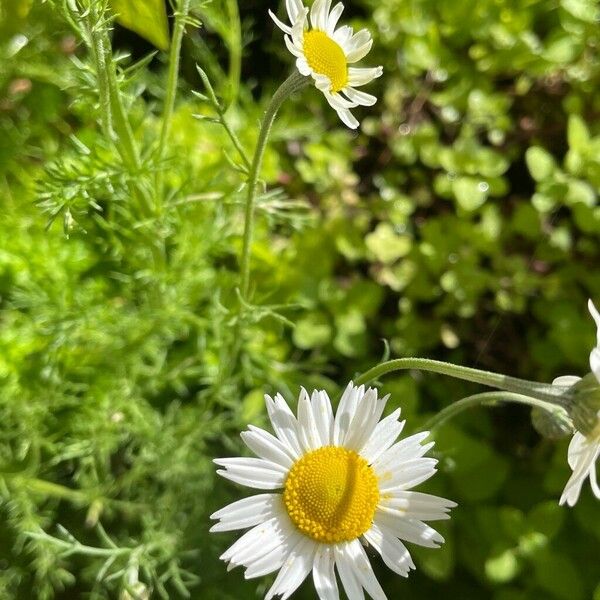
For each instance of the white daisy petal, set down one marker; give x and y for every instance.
(358, 46)
(359, 39)
(298, 27)
(302, 66)
(297, 53)
(247, 512)
(367, 416)
(268, 447)
(342, 35)
(252, 472)
(347, 118)
(294, 9)
(416, 505)
(393, 552)
(334, 17)
(566, 380)
(284, 423)
(345, 567)
(296, 567)
(594, 483)
(405, 449)
(383, 436)
(269, 563)
(596, 316)
(324, 574)
(595, 362)
(318, 14)
(257, 542)
(364, 571)
(412, 474)
(577, 448)
(338, 102)
(273, 559)
(359, 97)
(324, 416)
(309, 433)
(582, 457)
(358, 76)
(345, 412)
(415, 531)
(362, 414)
(285, 28)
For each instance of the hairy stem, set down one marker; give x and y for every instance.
(292, 84)
(181, 14)
(97, 50)
(554, 394)
(235, 49)
(484, 399)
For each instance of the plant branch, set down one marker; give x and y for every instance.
(484, 399)
(181, 14)
(293, 83)
(555, 394)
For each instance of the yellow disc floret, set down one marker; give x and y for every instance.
(326, 57)
(331, 494)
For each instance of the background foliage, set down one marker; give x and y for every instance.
(462, 222)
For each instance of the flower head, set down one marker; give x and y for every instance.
(584, 449)
(324, 51)
(336, 482)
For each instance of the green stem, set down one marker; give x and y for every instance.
(235, 50)
(557, 395)
(487, 398)
(212, 98)
(114, 117)
(126, 146)
(76, 547)
(181, 14)
(96, 46)
(292, 84)
(236, 142)
(55, 490)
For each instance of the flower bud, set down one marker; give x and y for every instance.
(137, 591)
(585, 407)
(553, 425)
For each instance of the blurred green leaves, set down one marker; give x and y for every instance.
(147, 18)
(461, 222)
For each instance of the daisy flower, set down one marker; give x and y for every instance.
(336, 484)
(324, 51)
(583, 449)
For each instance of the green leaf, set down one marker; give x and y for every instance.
(312, 331)
(147, 18)
(502, 567)
(469, 192)
(585, 10)
(577, 133)
(539, 162)
(386, 245)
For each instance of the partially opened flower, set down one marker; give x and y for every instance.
(324, 51)
(584, 449)
(336, 483)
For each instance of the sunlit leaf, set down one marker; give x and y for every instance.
(147, 18)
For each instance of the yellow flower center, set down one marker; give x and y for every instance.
(326, 57)
(331, 494)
